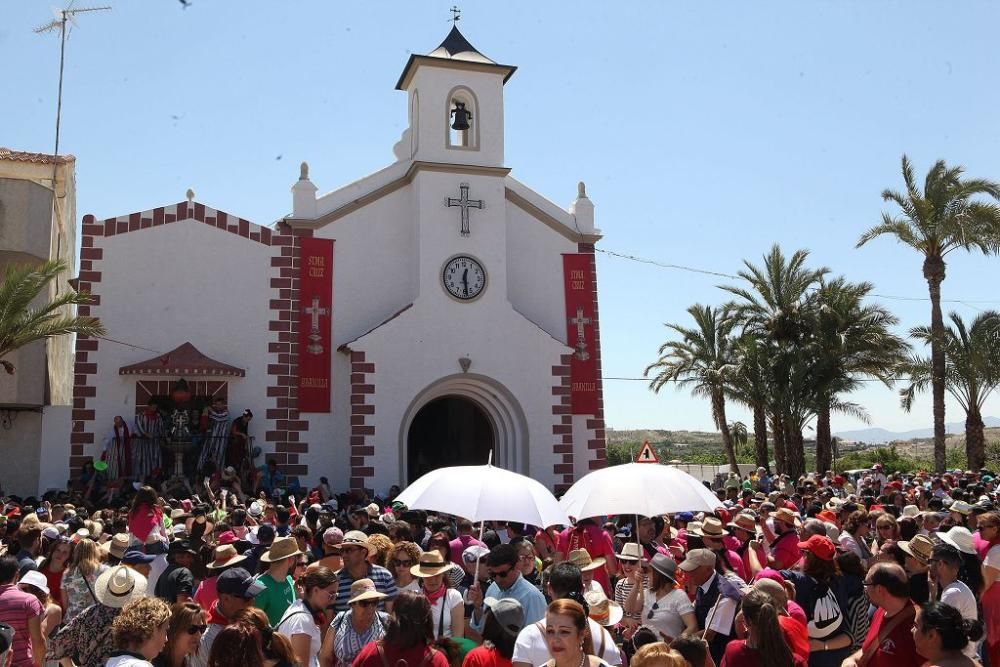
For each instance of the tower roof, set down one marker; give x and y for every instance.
(457, 52)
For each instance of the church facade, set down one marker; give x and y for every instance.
(437, 312)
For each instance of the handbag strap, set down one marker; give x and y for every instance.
(91, 590)
(906, 614)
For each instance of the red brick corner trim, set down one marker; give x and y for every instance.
(362, 442)
(289, 427)
(563, 431)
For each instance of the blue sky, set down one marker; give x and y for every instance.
(705, 131)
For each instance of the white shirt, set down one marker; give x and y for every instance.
(993, 557)
(725, 610)
(531, 648)
(127, 661)
(666, 618)
(958, 595)
(441, 612)
(156, 568)
(297, 620)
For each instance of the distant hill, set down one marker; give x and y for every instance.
(880, 435)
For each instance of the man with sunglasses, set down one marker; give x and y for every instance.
(501, 564)
(355, 551)
(237, 590)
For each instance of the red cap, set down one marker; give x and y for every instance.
(227, 537)
(838, 480)
(828, 516)
(792, 506)
(895, 485)
(820, 546)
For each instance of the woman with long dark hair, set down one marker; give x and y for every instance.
(184, 633)
(237, 645)
(409, 637)
(662, 604)
(276, 647)
(57, 559)
(765, 644)
(302, 620)
(941, 635)
(145, 516)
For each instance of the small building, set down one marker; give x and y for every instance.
(35, 402)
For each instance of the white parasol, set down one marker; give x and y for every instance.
(644, 489)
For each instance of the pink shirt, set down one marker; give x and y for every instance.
(206, 595)
(786, 552)
(460, 544)
(16, 608)
(598, 544)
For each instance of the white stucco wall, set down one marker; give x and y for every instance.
(179, 282)
(19, 439)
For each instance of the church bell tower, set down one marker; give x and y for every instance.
(455, 105)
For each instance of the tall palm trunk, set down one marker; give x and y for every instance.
(824, 444)
(796, 450)
(778, 431)
(975, 439)
(760, 436)
(719, 411)
(934, 273)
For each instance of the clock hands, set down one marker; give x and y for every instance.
(465, 281)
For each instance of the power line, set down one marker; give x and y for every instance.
(630, 379)
(681, 267)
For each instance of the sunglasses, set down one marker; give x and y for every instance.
(656, 605)
(195, 629)
(499, 575)
(404, 563)
(367, 603)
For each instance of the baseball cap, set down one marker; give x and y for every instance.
(508, 612)
(698, 558)
(239, 583)
(820, 546)
(137, 557)
(333, 536)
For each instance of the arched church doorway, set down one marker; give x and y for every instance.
(448, 431)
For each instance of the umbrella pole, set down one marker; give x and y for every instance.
(482, 527)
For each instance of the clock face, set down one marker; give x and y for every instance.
(464, 277)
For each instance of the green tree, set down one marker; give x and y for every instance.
(945, 216)
(849, 341)
(773, 307)
(21, 323)
(700, 360)
(971, 373)
(748, 385)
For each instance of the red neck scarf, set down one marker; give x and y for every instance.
(433, 597)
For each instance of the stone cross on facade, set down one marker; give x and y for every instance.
(581, 343)
(465, 204)
(315, 312)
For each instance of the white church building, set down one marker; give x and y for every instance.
(425, 315)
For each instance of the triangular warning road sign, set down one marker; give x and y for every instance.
(646, 454)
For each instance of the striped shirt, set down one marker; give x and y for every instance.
(16, 609)
(382, 578)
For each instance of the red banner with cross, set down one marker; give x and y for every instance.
(315, 337)
(580, 332)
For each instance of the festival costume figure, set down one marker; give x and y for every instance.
(150, 433)
(216, 439)
(118, 451)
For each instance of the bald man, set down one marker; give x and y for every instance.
(889, 640)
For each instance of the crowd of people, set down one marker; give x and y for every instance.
(882, 569)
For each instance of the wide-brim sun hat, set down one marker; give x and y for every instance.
(280, 549)
(364, 589)
(631, 551)
(118, 586)
(960, 538)
(431, 564)
(225, 556)
(582, 559)
(602, 610)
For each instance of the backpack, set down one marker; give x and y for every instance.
(824, 615)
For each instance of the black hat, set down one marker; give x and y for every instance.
(239, 583)
(6, 637)
(181, 547)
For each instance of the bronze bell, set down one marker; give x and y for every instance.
(462, 117)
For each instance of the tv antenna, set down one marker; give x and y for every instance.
(63, 21)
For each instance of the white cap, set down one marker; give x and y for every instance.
(36, 579)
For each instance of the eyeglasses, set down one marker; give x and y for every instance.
(656, 605)
(195, 629)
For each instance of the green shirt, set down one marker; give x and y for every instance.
(276, 597)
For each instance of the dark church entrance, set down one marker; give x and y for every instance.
(449, 431)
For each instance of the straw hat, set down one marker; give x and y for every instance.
(631, 551)
(919, 547)
(225, 556)
(602, 610)
(364, 589)
(116, 546)
(118, 586)
(355, 538)
(786, 515)
(281, 548)
(581, 558)
(431, 564)
(711, 527)
(744, 522)
(911, 510)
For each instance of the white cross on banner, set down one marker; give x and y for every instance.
(646, 454)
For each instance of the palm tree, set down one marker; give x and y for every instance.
(773, 308)
(972, 372)
(701, 359)
(942, 218)
(848, 341)
(748, 385)
(21, 323)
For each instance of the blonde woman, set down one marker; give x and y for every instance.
(886, 532)
(79, 578)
